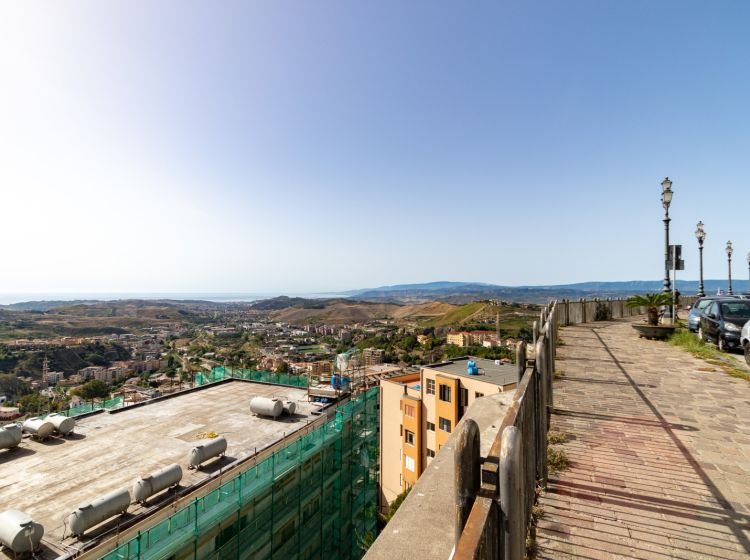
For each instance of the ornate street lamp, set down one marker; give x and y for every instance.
(666, 200)
(700, 234)
(729, 261)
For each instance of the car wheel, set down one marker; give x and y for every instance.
(721, 343)
(747, 353)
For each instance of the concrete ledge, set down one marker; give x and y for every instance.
(423, 526)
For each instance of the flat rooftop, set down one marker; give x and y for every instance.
(48, 480)
(489, 371)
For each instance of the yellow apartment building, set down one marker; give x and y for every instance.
(418, 412)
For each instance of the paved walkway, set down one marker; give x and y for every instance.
(659, 448)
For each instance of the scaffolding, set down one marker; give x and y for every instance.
(314, 498)
(347, 378)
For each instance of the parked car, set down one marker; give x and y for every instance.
(722, 322)
(745, 341)
(697, 309)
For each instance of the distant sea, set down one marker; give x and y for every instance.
(7, 299)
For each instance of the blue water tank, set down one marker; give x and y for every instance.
(471, 368)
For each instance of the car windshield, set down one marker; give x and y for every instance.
(736, 310)
(702, 304)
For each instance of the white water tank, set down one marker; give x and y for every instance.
(38, 428)
(267, 407)
(205, 451)
(19, 532)
(10, 436)
(62, 423)
(162, 479)
(290, 407)
(91, 514)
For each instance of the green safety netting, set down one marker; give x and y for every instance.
(117, 402)
(220, 373)
(314, 498)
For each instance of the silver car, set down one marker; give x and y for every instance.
(745, 341)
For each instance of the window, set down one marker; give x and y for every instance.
(464, 397)
(430, 427)
(430, 452)
(409, 437)
(445, 393)
(430, 386)
(478, 395)
(409, 410)
(445, 425)
(401, 430)
(410, 464)
(400, 480)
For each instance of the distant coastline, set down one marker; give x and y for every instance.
(11, 298)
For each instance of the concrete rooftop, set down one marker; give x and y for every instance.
(48, 480)
(489, 371)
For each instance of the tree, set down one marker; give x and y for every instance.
(92, 390)
(526, 334)
(282, 367)
(652, 303)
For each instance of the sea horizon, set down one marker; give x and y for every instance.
(216, 297)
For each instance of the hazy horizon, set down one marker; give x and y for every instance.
(239, 296)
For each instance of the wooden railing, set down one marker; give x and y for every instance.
(496, 525)
(494, 496)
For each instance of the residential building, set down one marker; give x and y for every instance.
(423, 339)
(54, 377)
(418, 412)
(373, 356)
(91, 372)
(472, 338)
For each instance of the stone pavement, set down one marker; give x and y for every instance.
(659, 444)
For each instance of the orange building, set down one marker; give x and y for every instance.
(418, 412)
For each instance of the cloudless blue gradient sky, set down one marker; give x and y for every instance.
(310, 146)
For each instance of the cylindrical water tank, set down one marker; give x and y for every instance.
(205, 451)
(147, 486)
(38, 428)
(19, 532)
(93, 513)
(10, 436)
(266, 407)
(290, 407)
(62, 423)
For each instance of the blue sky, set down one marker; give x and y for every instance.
(311, 146)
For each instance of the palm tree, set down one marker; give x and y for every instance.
(652, 303)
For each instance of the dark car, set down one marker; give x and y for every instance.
(697, 309)
(722, 322)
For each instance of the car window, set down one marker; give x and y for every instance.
(736, 310)
(702, 304)
(713, 310)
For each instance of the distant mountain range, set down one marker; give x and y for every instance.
(449, 292)
(462, 292)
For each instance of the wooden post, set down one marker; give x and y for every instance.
(511, 494)
(520, 360)
(467, 474)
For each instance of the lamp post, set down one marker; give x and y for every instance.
(666, 200)
(748, 273)
(700, 234)
(729, 261)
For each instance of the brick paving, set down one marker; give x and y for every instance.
(659, 444)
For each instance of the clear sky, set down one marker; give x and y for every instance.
(265, 146)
